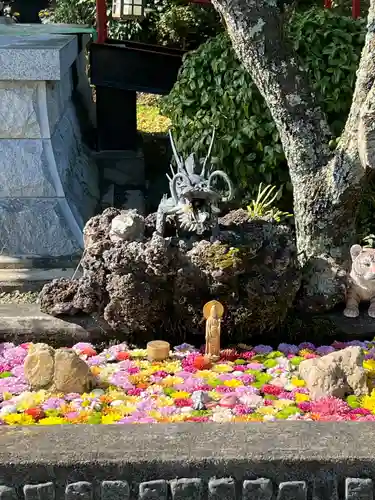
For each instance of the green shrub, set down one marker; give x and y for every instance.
(168, 22)
(214, 90)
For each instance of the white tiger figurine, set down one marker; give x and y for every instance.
(361, 281)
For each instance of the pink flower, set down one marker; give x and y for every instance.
(304, 406)
(223, 388)
(134, 392)
(330, 406)
(248, 355)
(241, 409)
(272, 389)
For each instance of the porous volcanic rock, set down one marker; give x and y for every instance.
(156, 287)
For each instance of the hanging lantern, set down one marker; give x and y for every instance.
(128, 9)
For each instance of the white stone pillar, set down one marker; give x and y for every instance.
(48, 182)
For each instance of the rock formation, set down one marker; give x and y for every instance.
(151, 283)
(60, 370)
(337, 374)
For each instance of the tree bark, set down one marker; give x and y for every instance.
(326, 184)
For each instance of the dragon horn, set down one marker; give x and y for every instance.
(225, 177)
(203, 173)
(175, 154)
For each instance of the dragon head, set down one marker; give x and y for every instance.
(193, 192)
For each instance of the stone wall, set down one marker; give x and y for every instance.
(268, 461)
(48, 181)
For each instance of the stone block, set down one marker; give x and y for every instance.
(358, 489)
(19, 113)
(115, 490)
(218, 489)
(82, 490)
(325, 488)
(292, 490)
(187, 489)
(26, 169)
(76, 169)
(257, 489)
(58, 94)
(40, 57)
(44, 491)
(153, 490)
(39, 227)
(7, 493)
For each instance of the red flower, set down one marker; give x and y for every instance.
(36, 413)
(272, 389)
(181, 402)
(202, 363)
(88, 351)
(229, 355)
(122, 356)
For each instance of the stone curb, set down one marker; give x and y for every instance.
(270, 461)
(25, 323)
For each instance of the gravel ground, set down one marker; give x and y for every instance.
(18, 297)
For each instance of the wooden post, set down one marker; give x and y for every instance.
(101, 20)
(356, 9)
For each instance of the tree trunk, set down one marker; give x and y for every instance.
(326, 184)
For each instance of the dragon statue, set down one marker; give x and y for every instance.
(193, 201)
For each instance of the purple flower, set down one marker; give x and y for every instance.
(185, 348)
(324, 350)
(121, 379)
(306, 345)
(53, 404)
(263, 349)
(357, 343)
(288, 349)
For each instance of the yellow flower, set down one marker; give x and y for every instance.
(18, 419)
(216, 396)
(282, 403)
(267, 410)
(171, 366)
(303, 352)
(180, 395)
(301, 397)
(233, 383)
(110, 419)
(170, 381)
(138, 378)
(369, 365)
(95, 370)
(368, 402)
(155, 414)
(164, 401)
(7, 396)
(203, 374)
(222, 368)
(297, 382)
(138, 353)
(177, 418)
(52, 421)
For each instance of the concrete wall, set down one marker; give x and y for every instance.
(273, 461)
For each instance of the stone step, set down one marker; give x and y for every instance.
(26, 323)
(32, 280)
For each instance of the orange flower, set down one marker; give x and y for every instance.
(142, 386)
(122, 356)
(202, 363)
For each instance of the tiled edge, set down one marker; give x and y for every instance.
(197, 489)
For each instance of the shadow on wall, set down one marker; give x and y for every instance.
(29, 10)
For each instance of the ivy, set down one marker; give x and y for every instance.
(214, 90)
